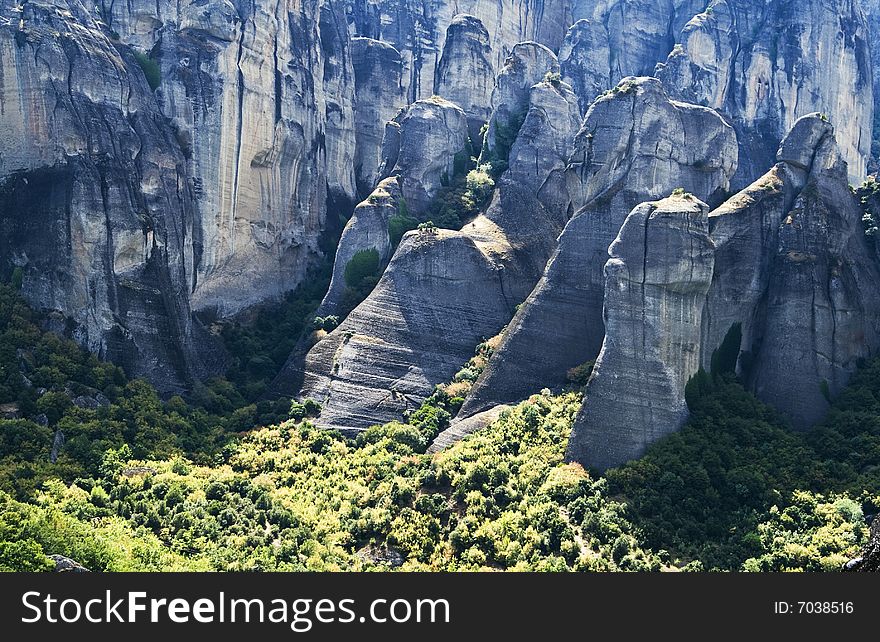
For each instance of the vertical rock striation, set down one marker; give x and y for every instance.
(445, 291)
(767, 64)
(417, 29)
(794, 271)
(379, 96)
(656, 279)
(95, 206)
(465, 75)
(183, 156)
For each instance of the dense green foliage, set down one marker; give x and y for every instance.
(54, 385)
(142, 484)
(260, 344)
(702, 492)
(295, 497)
(462, 199)
(150, 68)
(362, 266)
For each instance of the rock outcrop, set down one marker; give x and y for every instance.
(169, 158)
(445, 291)
(767, 64)
(432, 136)
(611, 40)
(465, 75)
(795, 273)
(635, 145)
(656, 280)
(794, 280)
(263, 98)
(379, 96)
(418, 29)
(526, 66)
(96, 210)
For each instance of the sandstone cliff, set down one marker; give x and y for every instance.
(794, 271)
(379, 96)
(96, 209)
(656, 280)
(635, 145)
(193, 156)
(767, 64)
(465, 74)
(793, 295)
(445, 291)
(427, 138)
(418, 29)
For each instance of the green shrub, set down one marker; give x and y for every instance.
(580, 375)
(398, 225)
(17, 278)
(364, 264)
(150, 68)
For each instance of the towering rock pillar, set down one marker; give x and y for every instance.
(656, 280)
(465, 75)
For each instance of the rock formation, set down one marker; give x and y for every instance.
(96, 211)
(379, 96)
(767, 64)
(656, 280)
(263, 98)
(433, 135)
(793, 275)
(445, 291)
(465, 75)
(795, 272)
(418, 29)
(182, 156)
(611, 40)
(526, 65)
(427, 138)
(635, 145)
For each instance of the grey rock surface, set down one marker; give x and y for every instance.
(526, 66)
(433, 132)
(767, 64)
(95, 204)
(656, 280)
(379, 96)
(465, 75)
(417, 28)
(635, 145)
(794, 269)
(424, 141)
(444, 292)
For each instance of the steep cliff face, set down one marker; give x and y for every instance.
(526, 66)
(263, 97)
(791, 302)
(379, 96)
(445, 291)
(871, 9)
(228, 133)
(418, 29)
(796, 275)
(424, 141)
(656, 280)
(767, 64)
(465, 74)
(635, 145)
(613, 39)
(95, 206)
